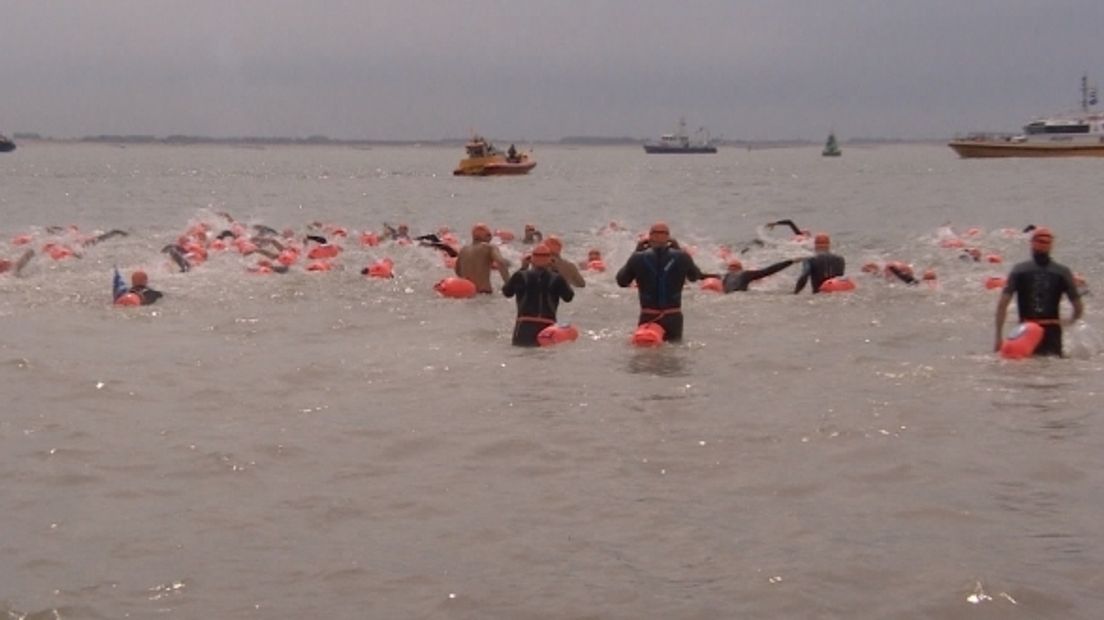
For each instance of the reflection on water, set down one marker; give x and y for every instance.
(664, 361)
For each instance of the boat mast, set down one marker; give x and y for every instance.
(1088, 93)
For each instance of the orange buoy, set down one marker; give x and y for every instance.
(871, 268)
(21, 240)
(839, 284)
(369, 239)
(952, 243)
(505, 235)
(648, 335)
(596, 265)
(1022, 341)
(712, 284)
(217, 245)
(994, 282)
(326, 250)
(319, 265)
(287, 257)
(128, 299)
(380, 269)
(929, 275)
(58, 252)
(339, 232)
(245, 246)
(455, 288)
(557, 333)
(263, 267)
(994, 259)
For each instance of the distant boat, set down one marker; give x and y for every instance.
(483, 159)
(6, 145)
(1074, 134)
(680, 142)
(831, 147)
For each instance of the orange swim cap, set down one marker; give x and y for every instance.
(553, 243)
(822, 240)
(1042, 240)
(541, 256)
(481, 231)
(139, 278)
(735, 265)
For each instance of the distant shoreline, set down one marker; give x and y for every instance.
(326, 141)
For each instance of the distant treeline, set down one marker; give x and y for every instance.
(325, 140)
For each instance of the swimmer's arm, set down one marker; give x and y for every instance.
(22, 262)
(1078, 310)
(790, 223)
(503, 264)
(564, 290)
(759, 274)
(570, 273)
(1002, 314)
(805, 271)
(513, 284)
(625, 275)
(901, 275)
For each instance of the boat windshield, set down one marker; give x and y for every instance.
(1043, 128)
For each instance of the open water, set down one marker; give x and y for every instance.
(323, 445)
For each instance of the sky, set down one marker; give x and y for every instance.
(542, 69)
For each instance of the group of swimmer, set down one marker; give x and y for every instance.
(658, 267)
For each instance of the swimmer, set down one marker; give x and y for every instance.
(475, 260)
(565, 268)
(660, 271)
(538, 292)
(104, 237)
(431, 240)
(176, 253)
(822, 266)
(738, 278)
(1038, 285)
(396, 234)
(139, 285)
(16, 268)
(532, 235)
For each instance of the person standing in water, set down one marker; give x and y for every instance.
(822, 266)
(475, 261)
(660, 270)
(538, 291)
(1038, 285)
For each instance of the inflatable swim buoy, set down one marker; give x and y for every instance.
(505, 235)
(712, 284)
(380, 269)
(648, 335)
(319, 265)
(128, 299)
(995, 259)
(994, 282)
(1022, 341)
(287, 257)
(455, 288)
(557, 333)
(21, 240)
(596, 265)
(369, 239)
(952, 243)
(839, 284)
(326, 250)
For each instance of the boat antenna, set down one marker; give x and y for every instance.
(1088, 93)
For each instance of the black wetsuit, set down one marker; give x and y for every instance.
(146, 294)
(538, 292)
(1039, 285)
(819, 268)
(739, 281)
(176, 253)
(660, 274)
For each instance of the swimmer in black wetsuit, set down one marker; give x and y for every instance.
(1038, 285)
(532, 235)
(430, 240)
(139, 285)
(660, 270)
(539, 291)
(737, 278)
(104, 237)
(822, 266)
(176, 253)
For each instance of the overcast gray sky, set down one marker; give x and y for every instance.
(537, 69)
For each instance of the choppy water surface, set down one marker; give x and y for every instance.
(326, 445)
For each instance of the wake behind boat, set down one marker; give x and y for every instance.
(485, 160)
(6, 145)
(1073, 134)
(680, 142)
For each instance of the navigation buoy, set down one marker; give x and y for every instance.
(1022, 342)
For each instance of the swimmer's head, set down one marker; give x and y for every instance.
(403, 229)
(659, 232)
(530, 228)
(822, 241)
(929, 275)
(139, 278)
(1042, 240)
(481, 232)
(554, 244)
(594, 254)
(541, 256)
(735, 265)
